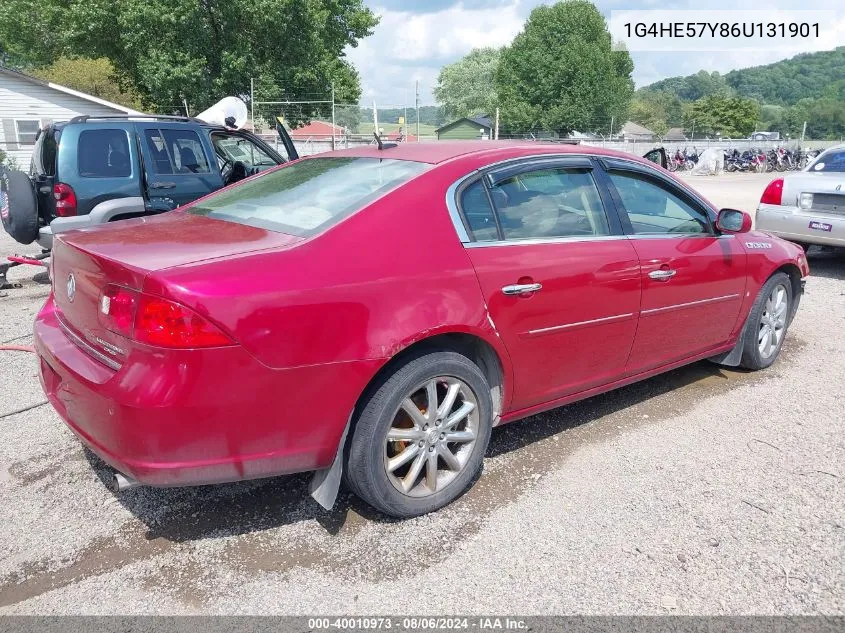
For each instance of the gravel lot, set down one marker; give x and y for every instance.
(702, 491)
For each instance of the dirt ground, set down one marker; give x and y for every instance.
(701, 491)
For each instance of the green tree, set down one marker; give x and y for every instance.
(201, 50)
(93, 76)
(728, 117)
(561, 72)
(466, 87)
(656, 110)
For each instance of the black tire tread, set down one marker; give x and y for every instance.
(360, 472)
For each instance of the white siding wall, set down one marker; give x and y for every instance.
(22, 99)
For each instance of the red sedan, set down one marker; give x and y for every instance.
(377, 312)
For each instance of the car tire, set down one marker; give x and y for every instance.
(18, 205)
(390, 456)
(767, 323)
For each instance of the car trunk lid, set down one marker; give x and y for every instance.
(124, 254)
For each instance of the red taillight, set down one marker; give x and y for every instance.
(65, 200)
(156, 321)
(167, 324)
(773, 192)
(117, 309)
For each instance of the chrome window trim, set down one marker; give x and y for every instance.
(688, 304)
(463, 236)
(533, 241)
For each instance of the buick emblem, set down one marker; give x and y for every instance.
(71, 287)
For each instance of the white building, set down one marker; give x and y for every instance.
(27, 104)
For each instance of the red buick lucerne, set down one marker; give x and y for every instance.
(376, 312)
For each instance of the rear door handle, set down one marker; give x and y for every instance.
(663, 274)
(163, 185)
(518, 289)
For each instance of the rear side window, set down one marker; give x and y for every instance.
(104, 154)
(309, 196)
(176, 152)
(478, 213)
(549, 203)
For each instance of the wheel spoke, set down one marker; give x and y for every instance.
(402, 458)
(763, 332)
(460, 436)
(431, 471)
(410, 480)
(408, 435)
(449, 400)
(450, 459)
(464, 410)
(431, 395)
(414, 413)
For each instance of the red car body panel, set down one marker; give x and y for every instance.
(314, 320)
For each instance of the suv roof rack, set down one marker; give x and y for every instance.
(164, 117)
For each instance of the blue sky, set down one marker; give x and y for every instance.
(416, 38)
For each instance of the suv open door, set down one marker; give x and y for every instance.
(658, 156)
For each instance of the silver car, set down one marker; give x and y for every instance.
(808, 207)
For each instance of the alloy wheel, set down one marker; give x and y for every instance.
(773, 321)
(432, 436)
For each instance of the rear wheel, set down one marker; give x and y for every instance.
(767, 323)
(18, 205)
(420, 438)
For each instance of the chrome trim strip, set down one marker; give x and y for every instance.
(530, 241)
(566, 326)
(452, 205)
(688, 304)
(86, 347)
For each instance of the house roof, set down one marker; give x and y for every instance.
(635, 129)
(76, 93)
(478, 119)
(316, 128)
(675, 134)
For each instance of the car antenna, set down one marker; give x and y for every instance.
(382, 145)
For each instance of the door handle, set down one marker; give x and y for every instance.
(519, 289)
(163, 185)
(664, 274)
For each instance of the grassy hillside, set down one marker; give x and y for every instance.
(810, 75)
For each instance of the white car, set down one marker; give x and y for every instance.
(808, 207)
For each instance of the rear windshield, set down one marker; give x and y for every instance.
(307, 197)
(830, 161)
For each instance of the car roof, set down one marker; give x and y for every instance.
(435, 152)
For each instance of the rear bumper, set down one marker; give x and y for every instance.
(193, 417)
(797, 225)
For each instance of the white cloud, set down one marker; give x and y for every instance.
(407, 46)
(414, 43)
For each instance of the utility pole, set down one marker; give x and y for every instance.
(610, 136)
(252, 102)
(405, 125)
(185, 102)
(375, 118)
(417, 107)
(693, 130)
(803, 131)
(496, 134)
(333, 128)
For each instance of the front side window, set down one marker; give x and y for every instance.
(309, 196)
(27, 131)
(653, 209)
(104, 154)
(549, 202)
(176, 152)
(233, 148)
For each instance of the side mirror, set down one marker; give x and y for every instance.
(733, 221)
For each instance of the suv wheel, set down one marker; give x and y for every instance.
(421, 436)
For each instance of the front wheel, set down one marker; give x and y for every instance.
(420, 437)
(767, 323)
